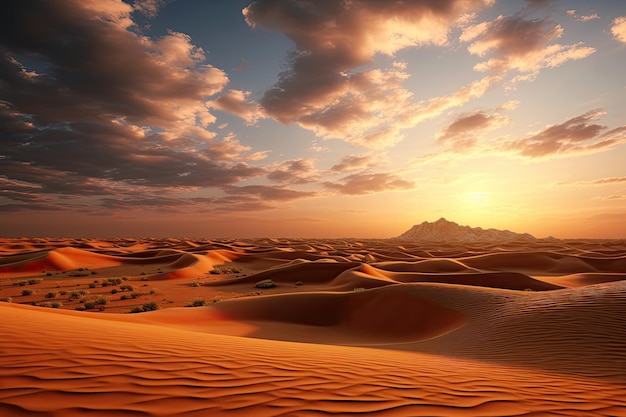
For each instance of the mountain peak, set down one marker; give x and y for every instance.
(444, 230)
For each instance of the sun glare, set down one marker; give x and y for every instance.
(476, 199)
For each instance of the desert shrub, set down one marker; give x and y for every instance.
(21, 283)
(125, 297)
(114, 291)
(198, 302)
(34, 281)
(214, 272)
(75, 295)
(89, 305)
(136, 310)
(48, 274)
(134, 295)
(114, 281)
(27, 292)
(105, 284)
(51, 295)
(92, 285)
(195, 284)
(154, 291)
(56, 305)
(299, 283)
(150, 306)
(62, 292)
(6, 299)
(266, 283)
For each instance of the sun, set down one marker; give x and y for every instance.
(476, 199)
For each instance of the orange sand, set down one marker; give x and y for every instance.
(353, 327)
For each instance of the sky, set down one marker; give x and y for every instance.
(308, 118)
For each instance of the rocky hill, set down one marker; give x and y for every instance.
(446, 231)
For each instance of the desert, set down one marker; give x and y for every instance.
(265, 208)
(304, 327)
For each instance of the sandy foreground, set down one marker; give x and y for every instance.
(352, 327)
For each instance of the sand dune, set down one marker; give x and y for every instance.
(351, 327)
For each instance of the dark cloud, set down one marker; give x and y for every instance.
(369, 183)
(173, 205)
(578, 135)
(296, 171)
(268, 193)
(92, 108)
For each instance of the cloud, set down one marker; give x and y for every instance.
(368, 183)
(612, 197)
(324, 88)
(578, 135)
(237, 103)
(353, 162)
(269, 193)
(174, 205)
(599, 181)
(295, 171)
(461, 133)
(522, 45)
(618, 29)
(582, 18)
(90, 65)
(149, 8)
(229, 149)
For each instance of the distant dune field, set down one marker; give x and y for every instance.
(278, 327)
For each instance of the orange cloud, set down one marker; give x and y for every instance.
(600, 181)
(238, 103)
(582, 18)
(522, 45)
(578, 135)
(618, 29)
(352, 162)
(461, 134)
(368, 183)
(322, 88)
